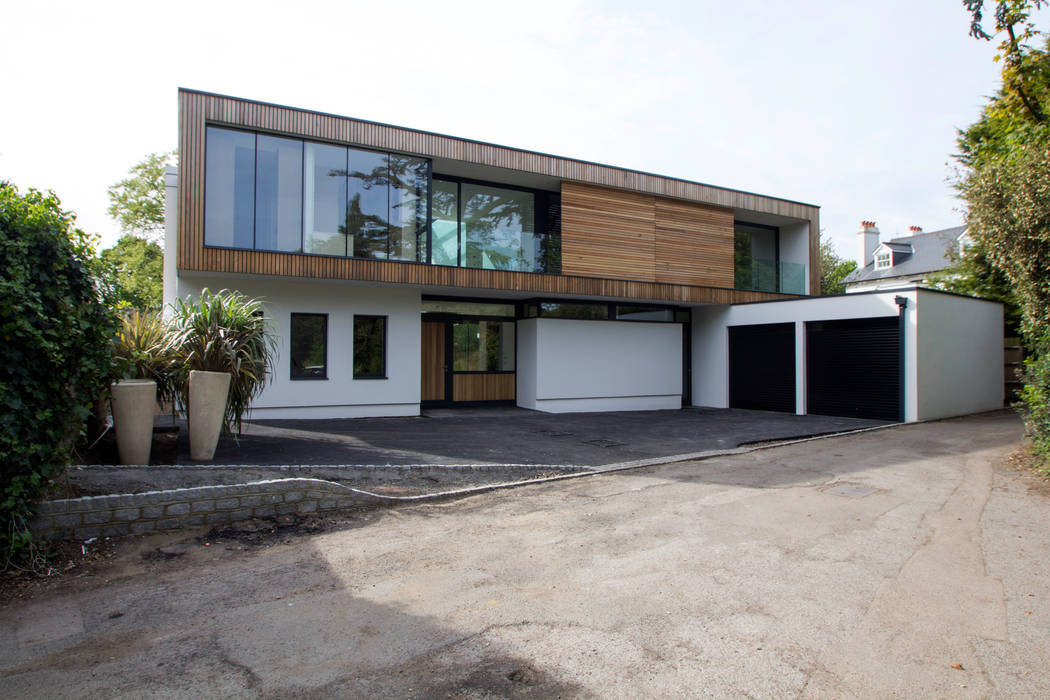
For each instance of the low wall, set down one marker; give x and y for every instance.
(125, 514)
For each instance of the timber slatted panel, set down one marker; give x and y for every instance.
(626, 235)
(693, 244)
(483, 387)
(607, 233)
(433, 361)
(196, 110)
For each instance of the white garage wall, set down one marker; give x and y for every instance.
(570, 366)
(953, 347)
(960, 356)
(339, 396)
(711, 339)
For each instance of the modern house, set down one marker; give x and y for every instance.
(402, 269)
(902, 262)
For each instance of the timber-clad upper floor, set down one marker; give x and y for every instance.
(271, 190)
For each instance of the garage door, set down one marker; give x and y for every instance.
(762, 367)
(852, 368)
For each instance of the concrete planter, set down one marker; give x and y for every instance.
(134, 405)
(208, 393)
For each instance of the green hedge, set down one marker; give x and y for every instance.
(55, 358)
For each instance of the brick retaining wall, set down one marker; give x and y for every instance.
(109, 516)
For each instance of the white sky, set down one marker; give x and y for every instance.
(852, 106)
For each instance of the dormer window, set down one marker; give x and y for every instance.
(883, 260)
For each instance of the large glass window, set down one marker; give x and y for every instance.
(499, 227)
(483, 346)
(367, 203)
(324, 211)
(278, 194)
(274, 193)
(408, 208)
(444, 227)
(309, 351)
(494, 228)
(369, 347)
(755, 258)
(229, 185)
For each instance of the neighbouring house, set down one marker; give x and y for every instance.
(403, 269)
(902, 262)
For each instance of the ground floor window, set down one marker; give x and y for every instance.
(483, 346)
(309, 351)
(369, 347)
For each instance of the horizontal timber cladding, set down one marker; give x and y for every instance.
(627, 235)
(483, 387)
(659, 278)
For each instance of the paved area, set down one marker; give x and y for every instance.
(907, 562)
(513, 435)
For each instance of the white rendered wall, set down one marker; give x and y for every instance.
(339, 396)
(171, 206)
(570, 366)
(711, 340)
(960, 355)
(794, 248)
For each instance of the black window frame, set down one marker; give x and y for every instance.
(324, 340)
(423, 238)
(533, 308)
(386, 332)
(745, 225)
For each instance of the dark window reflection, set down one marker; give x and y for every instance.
(309, 346)
(369, 347)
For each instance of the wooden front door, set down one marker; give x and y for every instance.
(434, 368)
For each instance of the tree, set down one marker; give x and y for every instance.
(137, 202)
(56, 355)
(132, 271)
(1005, 183)
(833, 269)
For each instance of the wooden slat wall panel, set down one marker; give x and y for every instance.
(625, 235)
(607, 233)
(198, 109)
(483, 387)
(693, 244)
(433, 361)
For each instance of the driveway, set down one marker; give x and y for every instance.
(908, 562)
(511, 435)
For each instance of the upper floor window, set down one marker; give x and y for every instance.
(883, 260)
(756, 252)
(273, 193)
(494, 227)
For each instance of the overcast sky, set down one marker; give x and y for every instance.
(852, 106)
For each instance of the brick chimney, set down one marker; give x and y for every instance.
(869, 241)
(912, 230)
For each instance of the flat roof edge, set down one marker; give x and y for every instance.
(896, 290)
(496, 145)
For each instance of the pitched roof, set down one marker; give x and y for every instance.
(913, 255)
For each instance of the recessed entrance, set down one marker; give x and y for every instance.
(467, 361)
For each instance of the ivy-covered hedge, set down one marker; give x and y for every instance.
(55, 354)
(1035, 398)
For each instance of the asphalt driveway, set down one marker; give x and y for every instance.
(513, 435)
(907, 562)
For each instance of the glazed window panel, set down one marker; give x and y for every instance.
(368, 204)
(444, 225)
(499, 228)
(229, 199)
(369, 347)
(309, 346)
(278, 194)
(408, 208)
(324, 210)
(483, 346)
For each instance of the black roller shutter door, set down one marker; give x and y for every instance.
(852, 368)
(762, 367)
